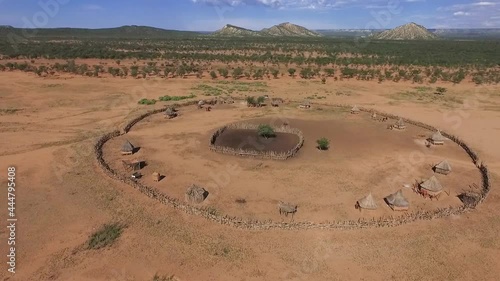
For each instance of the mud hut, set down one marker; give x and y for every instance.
(443, 168)
(367, 203)
(431, 187)
(200, 104)
(196, 194)
(397, 201)
(437, 138)
(355, 110)
(374, 115)
(128, 148)
(287, 208)
(400, 125)
(170, 113)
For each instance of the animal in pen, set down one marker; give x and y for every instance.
(287, 208)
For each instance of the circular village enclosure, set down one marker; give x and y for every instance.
(214, 164)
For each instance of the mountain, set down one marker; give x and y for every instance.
(235, 31)
(469, 33)
(123, 32)
(288, 29)
(410, 31)
(283, 30)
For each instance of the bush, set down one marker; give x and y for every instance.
(147, 102)
(260, 100)
(323, 144)
(176, 98)
(266, 131)
(213, 74)
(105, 236)
(440, 91)
(251, 101)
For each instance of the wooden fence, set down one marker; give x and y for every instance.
(386, 221)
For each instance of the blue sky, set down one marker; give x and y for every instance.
(209, 15)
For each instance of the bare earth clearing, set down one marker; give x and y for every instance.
(48, 128)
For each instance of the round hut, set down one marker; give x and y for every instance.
(397, 201)
(196, 194)
(400, 125)
(367, 203)
(443, 168)
(355, 110)
(305, 104)
(170, 113)
(128, 148)
(437, 138)
(431, 187)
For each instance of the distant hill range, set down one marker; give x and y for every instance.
(123, 32)
(283, 30)
(410, 31)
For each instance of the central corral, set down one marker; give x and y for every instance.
(365, 157)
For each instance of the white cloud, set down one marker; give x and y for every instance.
(461, 13)
(304, 4)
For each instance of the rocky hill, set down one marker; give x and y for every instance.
(284, 29)
(410, 31)
(288, 29)
(235, 31)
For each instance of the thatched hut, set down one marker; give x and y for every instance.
(437, 138)
(275, 102)
(355, 110)
(305, 104)
(170, 113)
(128, 148)
(134, 165)
(374, 115)
(196, 194)
(367, 202)
(397, 201)
(431, 187)
(400, 125)
(443, 168)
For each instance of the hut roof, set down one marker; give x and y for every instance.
(127, 147)
(169, 110)
(444, 165)
(368, 202)
(400, 122)
(432, 184)
(201, 102)
(195, 191)
(437, 136)
(397, 199)
(306, 102)
(355, 108)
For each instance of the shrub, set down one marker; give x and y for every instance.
(323, 144)
(440, 91)
(105, 236)
(213, 74)
(266, 131)
(176, 98)
(291, 71)
(260, 100)
(251, 101)
(147, 102)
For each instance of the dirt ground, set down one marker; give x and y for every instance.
(48, 127)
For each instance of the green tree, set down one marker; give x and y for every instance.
(292, 71)
(237, 72)
(213, 74)
(266, 131)
(223, 72)
(275, 73)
